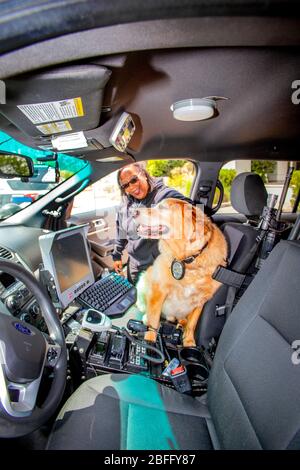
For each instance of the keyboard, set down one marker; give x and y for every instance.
(111, 295)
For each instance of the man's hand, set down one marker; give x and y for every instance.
(118, 267)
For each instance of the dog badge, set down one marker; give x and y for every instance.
(177, 269)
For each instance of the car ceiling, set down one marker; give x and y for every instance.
(252, 61)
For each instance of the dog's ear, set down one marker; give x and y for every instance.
(188, 218)
(201, 224)
(172, 201)
(192, 218)
(181, 218)
(194, 223)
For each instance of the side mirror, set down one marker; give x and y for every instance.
(13, 165)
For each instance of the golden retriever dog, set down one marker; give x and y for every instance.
(179, 282)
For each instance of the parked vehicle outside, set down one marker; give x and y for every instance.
(15, 194)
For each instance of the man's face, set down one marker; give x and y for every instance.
(134, 183)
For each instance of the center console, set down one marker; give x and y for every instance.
(96, 345)
(124, 351)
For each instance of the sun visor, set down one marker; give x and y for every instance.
(60, 100)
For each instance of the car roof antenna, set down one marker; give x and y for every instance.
(285, 188)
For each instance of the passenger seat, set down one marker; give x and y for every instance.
(253, 399)
(248, 197)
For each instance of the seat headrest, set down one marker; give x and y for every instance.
(248, 194)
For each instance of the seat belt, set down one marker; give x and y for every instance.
(235, 279)
(228, 277)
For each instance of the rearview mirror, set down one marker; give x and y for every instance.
(13, 165)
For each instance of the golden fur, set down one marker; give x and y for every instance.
(183, 230)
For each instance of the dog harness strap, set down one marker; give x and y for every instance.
(178, 266)
(190, 259)
(228, 277)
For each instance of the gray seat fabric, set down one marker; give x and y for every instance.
(248, 196)
(253, 390)
(240, 239)
(253, 371)
(130, 412)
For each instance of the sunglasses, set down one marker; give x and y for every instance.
(132, 180)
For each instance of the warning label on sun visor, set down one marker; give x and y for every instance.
(52, 111)
(54, 127)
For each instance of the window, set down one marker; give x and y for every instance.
(16, 194)
(273, 174)
(178, 174)
(101, 194)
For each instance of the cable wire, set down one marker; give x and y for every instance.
(156, 360)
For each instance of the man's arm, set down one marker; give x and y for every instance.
(121, 239)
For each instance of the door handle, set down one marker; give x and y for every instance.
(60, 200)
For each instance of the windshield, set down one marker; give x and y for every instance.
(15, 194)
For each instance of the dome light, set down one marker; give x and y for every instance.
(196, 109)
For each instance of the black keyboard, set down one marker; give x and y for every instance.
(111, 295)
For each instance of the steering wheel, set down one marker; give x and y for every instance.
(24, 353)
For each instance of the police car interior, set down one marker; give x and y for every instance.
(86, 88)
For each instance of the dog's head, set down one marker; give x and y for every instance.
(183, 229)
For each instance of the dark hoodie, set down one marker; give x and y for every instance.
(142, 252)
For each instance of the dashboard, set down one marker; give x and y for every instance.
(19, 244)
(23, 243)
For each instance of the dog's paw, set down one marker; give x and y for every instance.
(171, 318)
(150, 336)
(189, 343)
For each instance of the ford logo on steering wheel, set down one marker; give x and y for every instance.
(23, 329)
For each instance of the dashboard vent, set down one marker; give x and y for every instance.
(5, 254)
